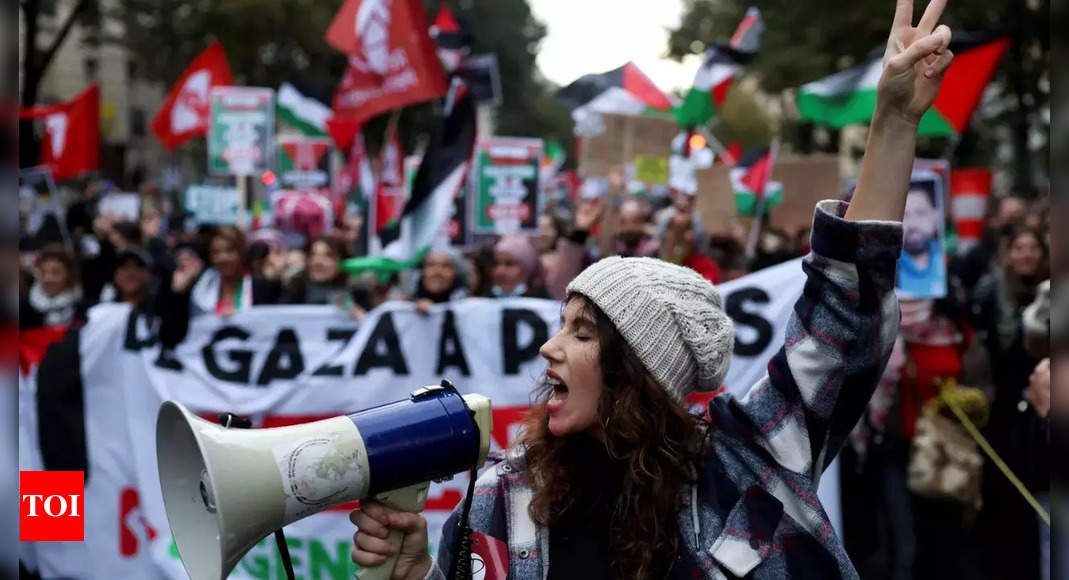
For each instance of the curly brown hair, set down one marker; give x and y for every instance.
(653, 438)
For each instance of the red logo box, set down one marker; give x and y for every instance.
(51, 506)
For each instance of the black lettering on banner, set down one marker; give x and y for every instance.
(733, 306)
(166, 360)
(342, 335)
(132, 341)
(243, 358)
(450, 351)
(515, 354)
(286, 347)
(393, 358)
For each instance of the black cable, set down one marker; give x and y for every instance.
(460, 566)
(284, 551)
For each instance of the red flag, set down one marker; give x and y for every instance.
(342, 131)
(186, 112)
(392, 60)
(71, 145)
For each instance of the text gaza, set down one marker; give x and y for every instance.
(523, 332)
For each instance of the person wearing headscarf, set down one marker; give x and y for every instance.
(517, 269)
(442, 277)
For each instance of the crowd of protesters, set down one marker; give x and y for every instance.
(990, 332)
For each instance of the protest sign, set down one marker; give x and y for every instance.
(624, 138)
(483, 77)
(41, 211)
(922, 265)
(507, 199)
(304, 162)
(242, 124)
(124, 204)
(213, 204)
(650, 169)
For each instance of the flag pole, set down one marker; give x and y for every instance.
(755, 226)
(243, 202)
(722, 151)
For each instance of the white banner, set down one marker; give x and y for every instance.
(289, 364)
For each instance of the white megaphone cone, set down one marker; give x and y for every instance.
(225, 489)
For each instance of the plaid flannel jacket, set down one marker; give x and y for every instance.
(755, 512)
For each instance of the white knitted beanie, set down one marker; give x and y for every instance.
(670, 315)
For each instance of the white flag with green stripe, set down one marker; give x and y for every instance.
(305, 114)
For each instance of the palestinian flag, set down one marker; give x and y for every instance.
(303, 113)
(440, 175)
(627, 79)
(358, 177)
(389, 193)
(553, 157)
(624, 90)
(721, 64)
(849, 97)
(303, 162)
(751, 179)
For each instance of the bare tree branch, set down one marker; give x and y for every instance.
(61, 35)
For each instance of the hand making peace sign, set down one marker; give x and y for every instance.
(915, 60)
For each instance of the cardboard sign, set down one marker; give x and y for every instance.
(507, 199)
(213, 204)
(806, 180)
(625, 137)
(242, 124)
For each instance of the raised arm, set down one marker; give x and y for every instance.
(844, 325)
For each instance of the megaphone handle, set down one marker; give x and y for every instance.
(407, 499)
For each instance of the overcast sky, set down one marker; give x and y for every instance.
(593, 36)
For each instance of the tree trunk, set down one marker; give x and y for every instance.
(34, 66)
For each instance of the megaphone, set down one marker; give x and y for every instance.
(226, 489)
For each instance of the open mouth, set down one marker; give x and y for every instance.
(559, 387)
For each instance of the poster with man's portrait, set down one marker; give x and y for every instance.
(922, 269)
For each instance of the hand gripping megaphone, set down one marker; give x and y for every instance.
(225, 489)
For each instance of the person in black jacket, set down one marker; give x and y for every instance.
(223, 289)
(1000, 300)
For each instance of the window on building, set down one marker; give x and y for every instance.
(138, 122)
(92, 67)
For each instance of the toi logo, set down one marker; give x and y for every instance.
(51, 506)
